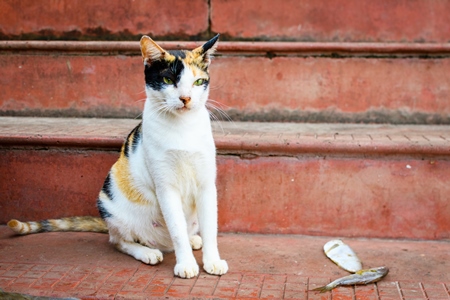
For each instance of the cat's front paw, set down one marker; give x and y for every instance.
(186, 270)
(218, 267)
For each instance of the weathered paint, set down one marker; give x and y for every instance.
(327, 195)
(303, 20)
(345, 85)
(336, 20)
(41, 184)
(332, 196)
(113, 86)
(97, 20)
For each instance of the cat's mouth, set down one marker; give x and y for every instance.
(184, 108)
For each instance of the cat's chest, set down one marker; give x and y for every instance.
(186, 172)
(193, 136)
(185, 165)
(183, 156)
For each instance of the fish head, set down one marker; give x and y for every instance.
(382, 270)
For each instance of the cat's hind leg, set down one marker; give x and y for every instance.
(125, 243)
(196, 242)
(145, 254)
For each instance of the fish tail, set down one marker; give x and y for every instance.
(86, 224)
(323, 289)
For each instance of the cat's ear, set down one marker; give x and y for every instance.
(206, 50)
(151, 51)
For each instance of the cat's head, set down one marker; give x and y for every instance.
(178, 80)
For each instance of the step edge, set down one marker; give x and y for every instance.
(61, 141)
(244, 148)
(236, 47)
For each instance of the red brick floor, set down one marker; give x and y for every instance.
(84, 265)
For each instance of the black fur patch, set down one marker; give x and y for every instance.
(102, 210)
(136, 137)
(178, 53)
(46, 226)
(206, 84)
(156, 71)
(210, 43)
(107, 185)
(132, 140)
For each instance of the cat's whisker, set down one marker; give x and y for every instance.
(216, 87)
(216, 120)
(162, 110)
(155, 112)
(212, 110)
(218, 103)
(219, 110)
(141, 92)
(140, 100)
(212, 116)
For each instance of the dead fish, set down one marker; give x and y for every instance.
(342, 255)
(360, 277)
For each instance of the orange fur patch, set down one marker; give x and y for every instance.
(122, 176)
(13, 224)
(196, 66)
(151, 51)
(194, 59)
(17, 226)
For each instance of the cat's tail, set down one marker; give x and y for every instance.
(87, 224)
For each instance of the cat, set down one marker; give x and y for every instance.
(161, 191)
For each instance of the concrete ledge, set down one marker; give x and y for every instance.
(291, 139)
(65, 132)
(241, 138)
(314, 179)
(240, 48)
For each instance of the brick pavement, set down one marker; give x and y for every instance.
(85, 266)
(130, 283)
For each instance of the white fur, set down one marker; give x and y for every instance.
(175, 169)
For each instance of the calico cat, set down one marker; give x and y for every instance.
(161, 191)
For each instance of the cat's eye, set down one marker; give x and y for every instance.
(167, 80)
(199, 81)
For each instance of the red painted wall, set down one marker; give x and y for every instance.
(301, 20)
(114, 85)
(330, 196)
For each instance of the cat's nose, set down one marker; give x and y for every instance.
(185, 99)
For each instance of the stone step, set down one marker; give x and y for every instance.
(384, 181)
(268, 20)
(276, 81)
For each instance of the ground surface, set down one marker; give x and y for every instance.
(84, 265)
